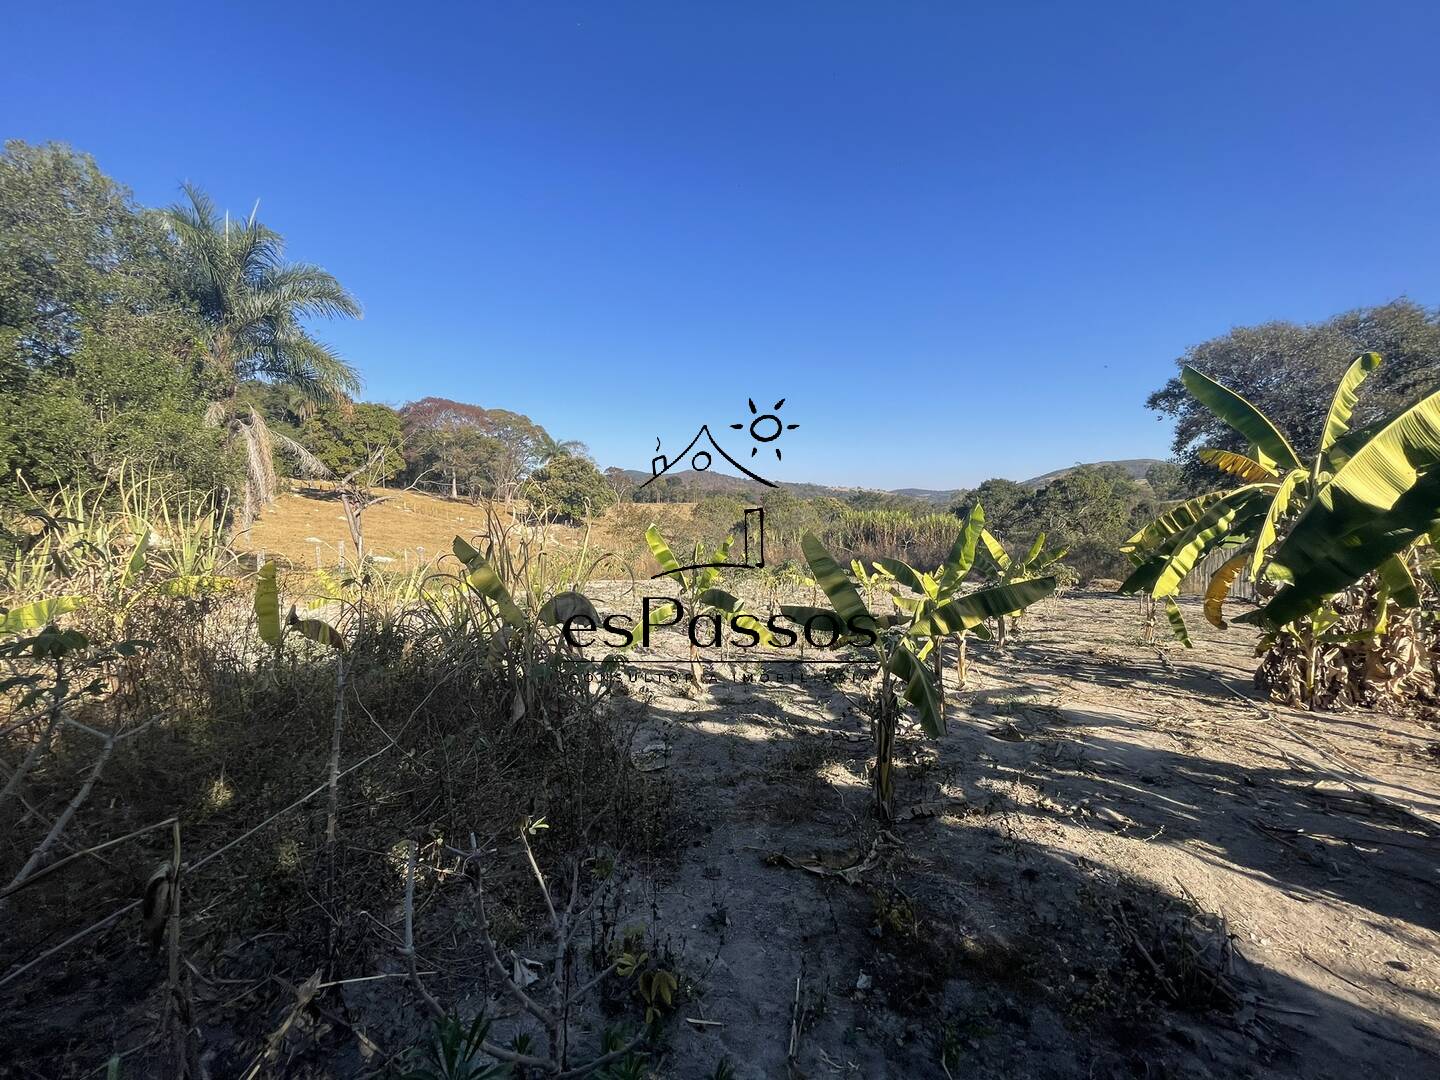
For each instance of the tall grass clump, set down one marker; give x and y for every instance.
(155, 744)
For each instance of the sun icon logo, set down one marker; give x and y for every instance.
(766, 427)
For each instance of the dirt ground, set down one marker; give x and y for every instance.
(1112, 865)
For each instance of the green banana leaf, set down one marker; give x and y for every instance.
(1279, 505)
(1240, 415)
(1228, 517)
(267, 604)
(902, 572)
(1342, 406)
(1034, 552)
(966, 612)
(1344, 448)
(485, 579)
(1399, 583)
(1169, 524)
(1376, 505)
(998, 555)
(962, 553)
(919, 689)
(833, 581)
(733, 606)
(661, 550)
(1177, 622)
(803, 613)
(709, 575)
(38, 614)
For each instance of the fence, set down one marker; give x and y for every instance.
(1196, 581)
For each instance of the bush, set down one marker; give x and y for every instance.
(570, 487)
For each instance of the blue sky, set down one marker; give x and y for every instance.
(962, 241)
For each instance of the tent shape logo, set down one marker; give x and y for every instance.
(764, 430)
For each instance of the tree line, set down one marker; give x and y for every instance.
(179, 337)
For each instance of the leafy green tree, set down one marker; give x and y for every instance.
(570, 485)
(254, 306)
(1166, 480)
(347, 436)
(483, 451)
(99, 363)
(1276, 366)
(74, 248)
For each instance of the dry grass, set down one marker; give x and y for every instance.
(306, 527)
(407, 526)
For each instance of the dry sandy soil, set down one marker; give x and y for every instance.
(1113, 865)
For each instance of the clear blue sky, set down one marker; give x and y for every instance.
(962, 243)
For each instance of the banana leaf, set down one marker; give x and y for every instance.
(996, 550)
(316, 630)
(1240, 415)
(1337, 421)
(485, 579)
(1226, 518)
(919, 689)
(1399, 583)
(902, 572)
(38, 614)
(1177, 622)
(1279, 505)
(968, 611)
(833, 581)
(1170, 524)
(1376, 505)
(267, 604)
(661, 550)
(1247, 469)
(962, 552)
(733, 606)
(711, 574)
(1219, 588)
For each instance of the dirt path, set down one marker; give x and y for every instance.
(1112, 865)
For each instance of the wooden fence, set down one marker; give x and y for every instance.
(1197, 580)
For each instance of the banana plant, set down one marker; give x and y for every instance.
(1008, 569)
(699, 590)
(1361, 506)
(938, 610)
(903, 642)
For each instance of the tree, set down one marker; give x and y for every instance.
(487, 451)
(1276, 366)
(570, 485)
(254, 305)
(346, 436)
(100, 364)
(1000, 497)
(1166, 480)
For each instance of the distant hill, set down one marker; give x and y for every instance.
(699, 484)
(1135, 467)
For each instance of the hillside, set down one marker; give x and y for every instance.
(1135, 467)
(695, 485)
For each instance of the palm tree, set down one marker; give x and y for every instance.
(254, 304)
